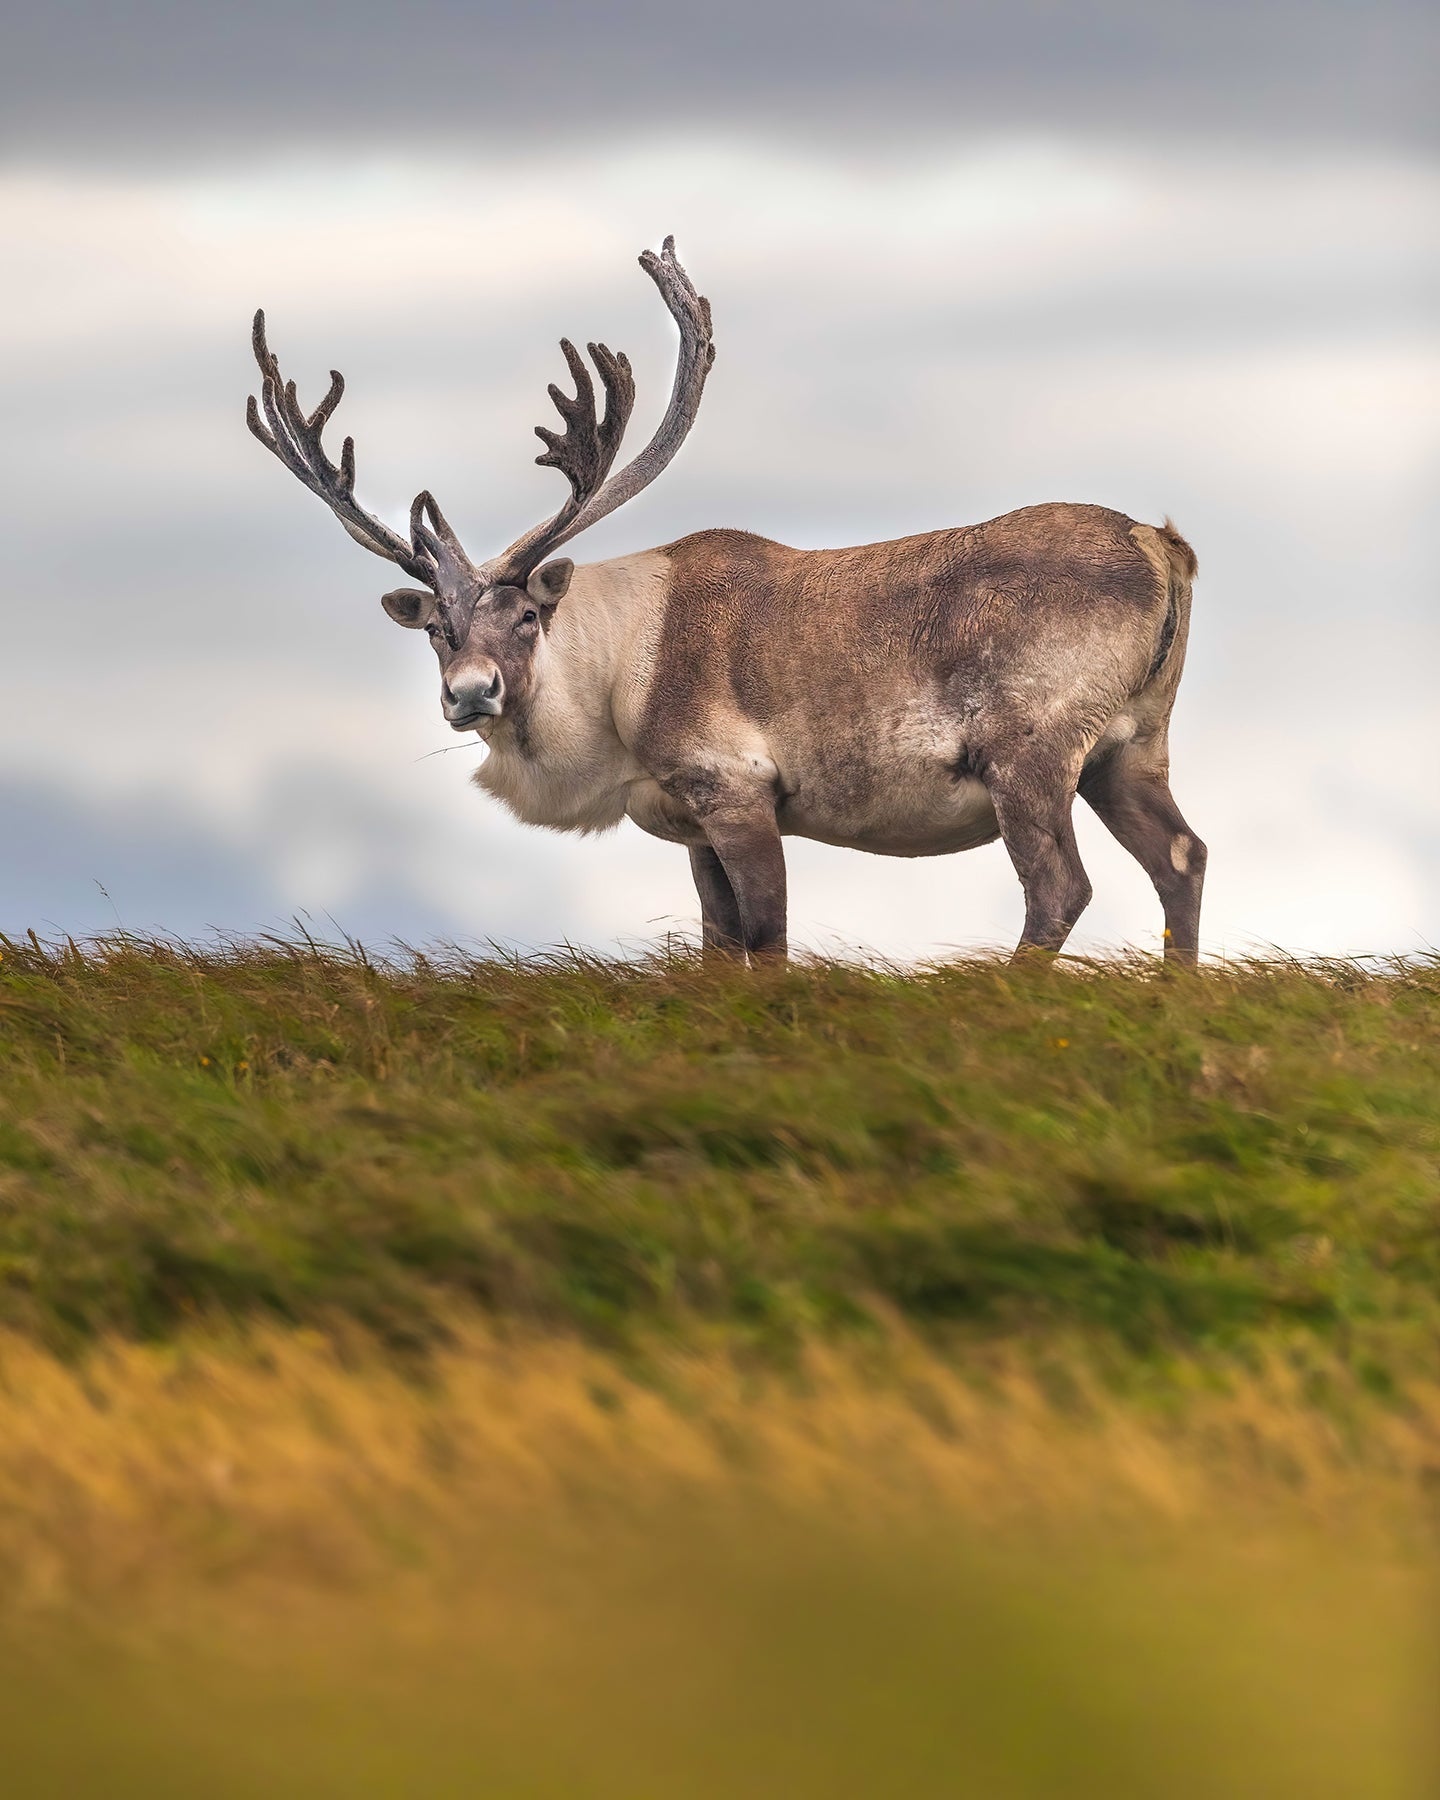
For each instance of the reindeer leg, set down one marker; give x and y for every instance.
(1131, 794)
(721, 931)
(1034, 814)
(746, 843)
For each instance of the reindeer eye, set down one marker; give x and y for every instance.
(529, 616)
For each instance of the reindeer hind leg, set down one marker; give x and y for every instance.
(1130, 793)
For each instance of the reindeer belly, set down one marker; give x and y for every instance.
(899, 789)
(895, 783)
(919, 819)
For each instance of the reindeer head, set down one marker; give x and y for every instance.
(488, 621)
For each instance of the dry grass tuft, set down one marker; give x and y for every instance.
(145, 1471)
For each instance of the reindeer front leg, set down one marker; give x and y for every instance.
(744, 852)
(721, 932)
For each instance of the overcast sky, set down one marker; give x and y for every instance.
(81, 77)
(1173, 259)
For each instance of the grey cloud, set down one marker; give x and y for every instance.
(81, 866)
(149, 862)
(94, 78)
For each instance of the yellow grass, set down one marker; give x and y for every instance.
(275, 1564)
(284, 1456)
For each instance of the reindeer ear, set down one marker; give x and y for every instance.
(546, 587)
(410, 607)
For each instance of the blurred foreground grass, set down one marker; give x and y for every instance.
(272, 1566)
(587, 1380)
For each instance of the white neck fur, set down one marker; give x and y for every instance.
(567, 764)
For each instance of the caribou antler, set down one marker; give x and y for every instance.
(433, 552)
(587, 447)
(584, 451)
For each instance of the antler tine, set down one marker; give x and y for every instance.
(434, 534)
(288, 432)
(321, 415)
(586, 449)
(575, 450)
(583, 451)
(678, 291)
(691, 313)
(619, 383)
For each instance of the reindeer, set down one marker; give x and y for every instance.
(909, 698)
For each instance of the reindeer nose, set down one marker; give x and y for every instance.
(471, 694)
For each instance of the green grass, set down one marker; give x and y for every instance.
(1237, 1165)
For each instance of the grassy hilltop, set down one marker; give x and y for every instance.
(1240, 1163)
(826, 1342)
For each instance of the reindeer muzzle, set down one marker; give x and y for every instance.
(470, 695)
